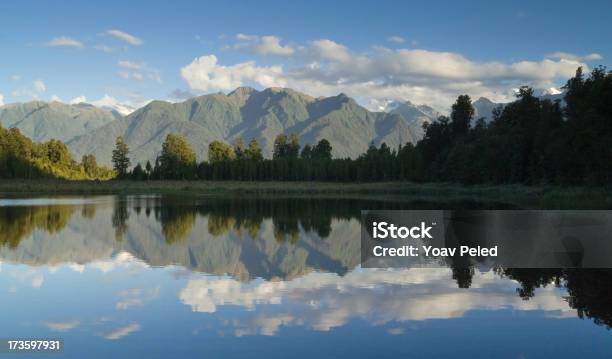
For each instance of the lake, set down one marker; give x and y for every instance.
(239, 276)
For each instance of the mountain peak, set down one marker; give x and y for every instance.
(483, 100)
(551, 91)
(242, 91)
(344, 98)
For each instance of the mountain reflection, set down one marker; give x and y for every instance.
(268, 251)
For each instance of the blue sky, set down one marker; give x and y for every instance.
(426, 52)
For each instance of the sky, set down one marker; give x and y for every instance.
(123, 54)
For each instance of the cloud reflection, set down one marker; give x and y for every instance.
(62, 326)
(122, 331)
(323, 301)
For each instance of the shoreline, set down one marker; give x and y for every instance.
(549, 196)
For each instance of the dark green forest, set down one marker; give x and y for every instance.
(529, 141)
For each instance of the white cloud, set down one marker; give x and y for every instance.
(572, 57)
(271, 45)
(130, 65)
(124, 36)
(123, 331)
(34, 91)
(330, 50)
(245, 37)
(1, 99)
(56, 98)
(382, 74)
(138, 71)
(15, 77)
(203, 74)
(40, 86)
(263, 45)
(396, 39)
(104, 48)
(131, 75)
(64, 41)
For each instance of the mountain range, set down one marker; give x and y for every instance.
(248, 113)
(418, 115)
(42, 121)
(245, 113)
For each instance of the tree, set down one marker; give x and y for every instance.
(57, 152)
(280, 147)
(239, 148)
(120, 159)
(90, 165)
(253, 152)
(284, 149)
(322, 150)
(293, 147)
(220, 151)
(149, 169)
(306, 152)
(436, 140)
(177, 159)
(462, 113)
(588, 158)
(138, 173)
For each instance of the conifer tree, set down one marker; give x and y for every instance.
(121, 161)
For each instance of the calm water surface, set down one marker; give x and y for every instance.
(153, 276)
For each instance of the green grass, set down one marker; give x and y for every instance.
(527, 196)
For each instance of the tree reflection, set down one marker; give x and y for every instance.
(530, 279)
(290, 217)
(88, 211)
(19, 222)
(120, 217)
(590, 293)
(590, 290)
(220, 224)
(177, 222)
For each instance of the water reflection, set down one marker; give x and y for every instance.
(255, 265)
(18, 222)
(589, 290)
